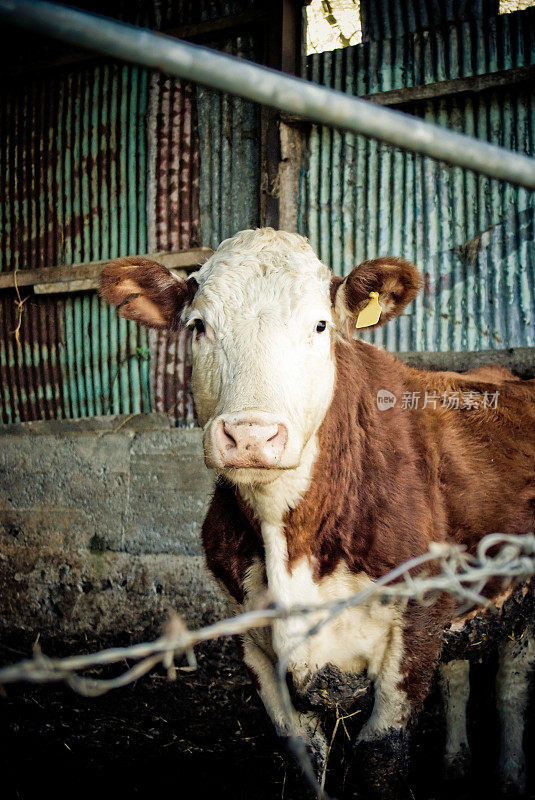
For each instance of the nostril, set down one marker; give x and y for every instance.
(229, 440)
(277, 432)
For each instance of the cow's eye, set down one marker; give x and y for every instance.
(320, 327)
(198, 326)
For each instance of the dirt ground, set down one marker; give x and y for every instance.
(204, 736)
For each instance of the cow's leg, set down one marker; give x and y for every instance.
(401, 685)
(258, 658)
(454, 682)
(382, 754)
(516, 659)
(382, 746)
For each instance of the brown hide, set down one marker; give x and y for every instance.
(230, 540)
(387, 483)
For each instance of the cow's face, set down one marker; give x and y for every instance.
(263, 364)
(265, 313)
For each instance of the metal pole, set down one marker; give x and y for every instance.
(269, 87)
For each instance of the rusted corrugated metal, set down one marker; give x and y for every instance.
(472, 237)
(72, 183)
(73, 167)
(173, 223)
(230, 134)
(80, 182)
(204, 168)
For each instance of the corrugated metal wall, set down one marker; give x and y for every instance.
(173, 224)
(473, 237)
(229, 129)
(103, 161)
(72, 184)
(386, 19)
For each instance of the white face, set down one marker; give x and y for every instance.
(263, 353)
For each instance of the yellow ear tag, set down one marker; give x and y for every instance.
(371, 314)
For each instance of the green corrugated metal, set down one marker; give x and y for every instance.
(386, 19)
(461, 49)
(229, 135)
(472, 237)
(80, 181)
(73, 185)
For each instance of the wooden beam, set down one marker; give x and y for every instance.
(283, 45)
(520, 360)
(432, 91)
(202, 31)
(85, 277)
(210, 28)
(456, 86)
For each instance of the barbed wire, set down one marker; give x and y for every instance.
(455, 571)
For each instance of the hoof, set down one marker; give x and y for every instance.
(382, 766)
(457, 766)
(513, 789)
(513, 777)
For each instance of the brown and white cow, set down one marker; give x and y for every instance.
(320, 490)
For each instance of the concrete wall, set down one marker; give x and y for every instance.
(100, 520)
(99, 527)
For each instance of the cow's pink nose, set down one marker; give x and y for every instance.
(250, 444)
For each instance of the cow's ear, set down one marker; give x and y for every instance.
(396, 281)
(147, 292)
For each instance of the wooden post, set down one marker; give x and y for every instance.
(281, 146)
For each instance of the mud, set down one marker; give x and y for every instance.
(482, 633)
(207, 736)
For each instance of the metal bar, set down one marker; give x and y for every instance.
(269, 87)
(188, 260)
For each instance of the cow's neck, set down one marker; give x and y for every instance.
(270, 504)
(357, 496)
(286, 508)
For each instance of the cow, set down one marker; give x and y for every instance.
(323, 485)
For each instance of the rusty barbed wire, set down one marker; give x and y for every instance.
(462, 575)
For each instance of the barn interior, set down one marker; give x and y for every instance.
(103, 487)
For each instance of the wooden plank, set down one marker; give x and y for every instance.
(202, 31)
(431, 91)
(57, 287)
(207, 30)
(520, 360)
(79, 277)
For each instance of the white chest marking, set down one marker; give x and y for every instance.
(366, 637)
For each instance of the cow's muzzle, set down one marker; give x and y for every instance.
(249, 441)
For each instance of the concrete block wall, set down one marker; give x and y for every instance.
(100, 519)
(99, 527)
